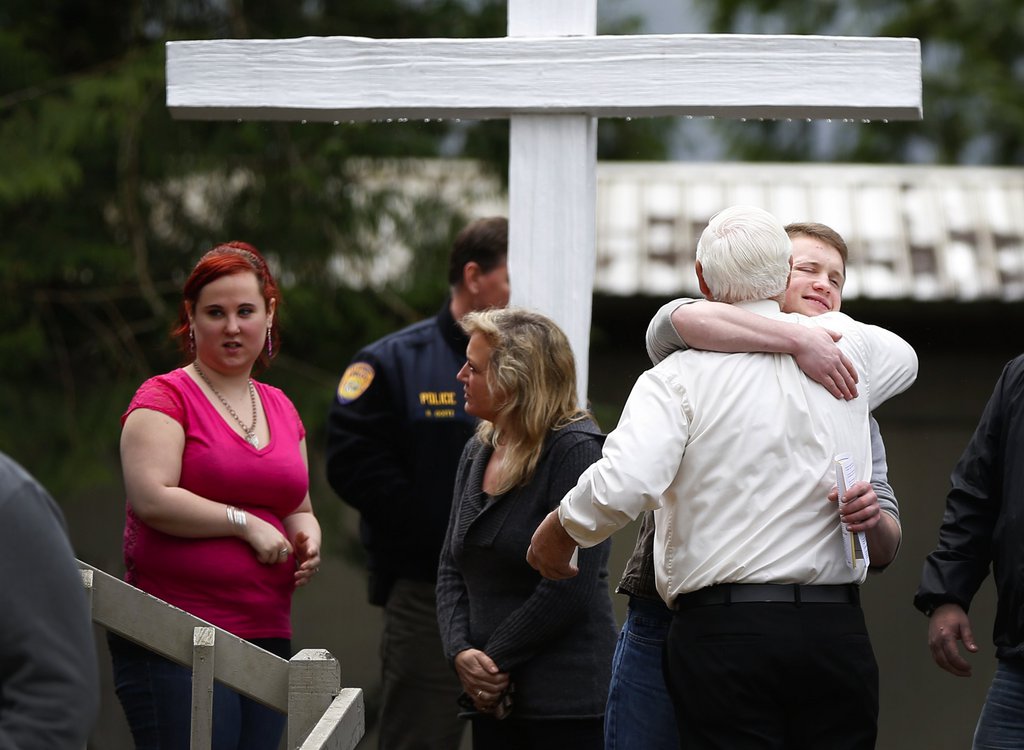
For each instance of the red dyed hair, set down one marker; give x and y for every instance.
(225, 260)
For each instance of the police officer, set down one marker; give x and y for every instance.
(396, 430)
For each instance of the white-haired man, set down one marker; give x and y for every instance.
(735, 453)
(639, 714)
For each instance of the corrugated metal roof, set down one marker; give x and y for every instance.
(914, 232)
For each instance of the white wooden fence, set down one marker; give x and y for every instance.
(321, 714)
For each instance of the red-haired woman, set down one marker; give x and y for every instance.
(218, 518)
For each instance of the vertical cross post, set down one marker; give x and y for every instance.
(552, 243)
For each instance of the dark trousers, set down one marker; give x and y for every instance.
(537, 734)
(772, 675)
(420, 690)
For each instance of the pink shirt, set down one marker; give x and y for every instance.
(219, 579)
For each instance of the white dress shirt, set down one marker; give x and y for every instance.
(734, 452)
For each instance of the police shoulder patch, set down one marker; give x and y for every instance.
(355, 381)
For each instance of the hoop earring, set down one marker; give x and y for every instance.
(270, 344)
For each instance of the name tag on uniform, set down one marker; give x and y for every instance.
(438, 404)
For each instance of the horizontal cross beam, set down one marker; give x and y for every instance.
(732, 76)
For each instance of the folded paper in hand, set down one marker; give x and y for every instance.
(855, 546)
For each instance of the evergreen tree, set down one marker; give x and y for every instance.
(106, 202)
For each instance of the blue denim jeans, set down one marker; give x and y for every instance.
(1001, 724)
(156, 695)
(639, 714)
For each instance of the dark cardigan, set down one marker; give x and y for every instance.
(555, 638)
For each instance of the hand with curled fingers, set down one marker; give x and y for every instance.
(551, 549)
(860, 511)
(947, 625)
(481, 679)
(307, 558)
(267, 541)
(823, 362)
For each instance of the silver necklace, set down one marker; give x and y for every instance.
(250, 431)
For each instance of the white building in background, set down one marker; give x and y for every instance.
(922, 233)
(914, 232)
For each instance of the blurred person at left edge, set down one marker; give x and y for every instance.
(49, 686)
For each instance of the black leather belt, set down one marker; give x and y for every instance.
(745, 593)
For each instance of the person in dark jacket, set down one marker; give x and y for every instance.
(983, 527)
(533, 656)
(395, 433)
(49, 683)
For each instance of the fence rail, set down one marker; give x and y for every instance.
(321, 714)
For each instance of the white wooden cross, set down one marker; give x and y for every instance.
(552, 76)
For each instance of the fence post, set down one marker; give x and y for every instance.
(87, 584)
(314, 678)
(203, 642)
(308, 687)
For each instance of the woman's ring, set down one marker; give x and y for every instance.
(480, 693)
(283, 552)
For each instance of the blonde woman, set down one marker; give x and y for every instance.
(533, 656)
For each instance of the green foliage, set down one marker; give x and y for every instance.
(973, 69)
(106, 202)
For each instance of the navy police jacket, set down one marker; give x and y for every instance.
(396, 430)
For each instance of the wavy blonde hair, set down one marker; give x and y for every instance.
(532, 374)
